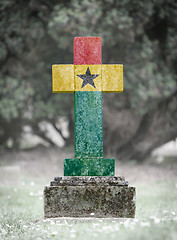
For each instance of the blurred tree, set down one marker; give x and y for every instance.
(141, 35)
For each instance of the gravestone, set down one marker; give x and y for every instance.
(88, 187)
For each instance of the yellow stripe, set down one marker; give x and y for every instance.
(112, 78)
(63, 78)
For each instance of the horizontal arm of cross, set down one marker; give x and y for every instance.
(71, 78)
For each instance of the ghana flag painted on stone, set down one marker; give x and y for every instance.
(88, 78)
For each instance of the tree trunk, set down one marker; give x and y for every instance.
(70, 141)
(156, 127)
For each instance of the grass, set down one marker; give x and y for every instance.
(21, 206)
(21, 216)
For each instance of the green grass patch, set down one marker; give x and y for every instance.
(21, 216)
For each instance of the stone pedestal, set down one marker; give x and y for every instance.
(89, 197)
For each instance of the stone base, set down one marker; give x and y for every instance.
(106, 197)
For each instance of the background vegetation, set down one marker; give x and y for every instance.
(139, 34)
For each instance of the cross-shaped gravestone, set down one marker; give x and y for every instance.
(88, 78)
(88, 187)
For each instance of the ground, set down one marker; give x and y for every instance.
(24, 174)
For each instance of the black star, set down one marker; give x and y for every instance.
(88, 78)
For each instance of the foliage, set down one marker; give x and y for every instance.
(36, 34)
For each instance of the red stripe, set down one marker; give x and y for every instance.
(87, 50)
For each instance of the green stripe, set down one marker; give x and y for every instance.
(89, 167)
(88, 124)
(88, 138)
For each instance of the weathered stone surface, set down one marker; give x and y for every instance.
(89, 197)
(89, 180)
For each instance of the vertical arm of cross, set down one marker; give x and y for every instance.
(88, 104)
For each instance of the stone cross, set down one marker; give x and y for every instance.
(88, 187)
(88, 78)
